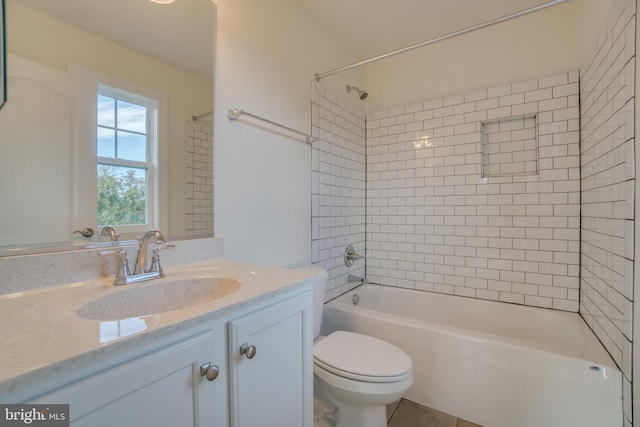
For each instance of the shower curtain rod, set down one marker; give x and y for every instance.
(235, 114)
(441, 38)
(196, 118)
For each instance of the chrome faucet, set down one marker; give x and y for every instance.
(140, 272)
(111, 232)
(143, 242)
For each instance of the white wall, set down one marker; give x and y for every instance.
(267, 55)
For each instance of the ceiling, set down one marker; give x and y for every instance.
(374, 27)
(177, 33)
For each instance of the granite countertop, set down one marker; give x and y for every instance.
(42, 334)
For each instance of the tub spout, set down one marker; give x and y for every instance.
(352, 278)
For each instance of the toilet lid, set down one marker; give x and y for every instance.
(360, 356)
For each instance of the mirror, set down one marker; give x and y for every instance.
(165, 48)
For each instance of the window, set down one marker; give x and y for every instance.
(126, 149)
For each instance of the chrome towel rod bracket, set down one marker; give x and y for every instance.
(235, 114)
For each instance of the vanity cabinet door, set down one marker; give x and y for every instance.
(163, 388)
(270, 373)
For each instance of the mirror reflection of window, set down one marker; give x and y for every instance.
(125, 169)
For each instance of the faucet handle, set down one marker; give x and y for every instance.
(123, 270)
(350, 256)
(155, 259)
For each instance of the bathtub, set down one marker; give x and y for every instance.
(494, 364)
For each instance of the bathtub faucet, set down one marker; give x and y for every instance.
(352, 278)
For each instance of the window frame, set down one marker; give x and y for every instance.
(157, 206)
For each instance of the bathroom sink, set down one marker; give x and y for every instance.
(159, 297)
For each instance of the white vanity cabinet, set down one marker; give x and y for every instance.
(270, 365)
(163, 388)
(268, 383)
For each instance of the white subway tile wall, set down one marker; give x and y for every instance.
(435, 224)
(199, 179)
(608, 179)
(338, 189)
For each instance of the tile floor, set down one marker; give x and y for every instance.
(406, 413)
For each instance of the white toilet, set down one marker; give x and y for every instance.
(359, 375)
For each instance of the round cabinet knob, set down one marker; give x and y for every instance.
(209, 371)
(248, 350)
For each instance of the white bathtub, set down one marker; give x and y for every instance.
(494, 364)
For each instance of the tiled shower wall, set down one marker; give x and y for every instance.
(440, 220)
(199, 179)
(338, 188)
(608, 180)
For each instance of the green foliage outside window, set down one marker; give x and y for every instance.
(121, 196)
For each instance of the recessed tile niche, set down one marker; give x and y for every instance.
(510, 146)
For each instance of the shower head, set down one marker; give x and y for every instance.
(361, 93)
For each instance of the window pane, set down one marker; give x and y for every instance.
(132, 146)
(106, 111)
(132, 117)
(106, 143)
(121, 195)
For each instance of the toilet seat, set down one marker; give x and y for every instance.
(362, 358)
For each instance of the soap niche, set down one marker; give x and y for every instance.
(510, 146)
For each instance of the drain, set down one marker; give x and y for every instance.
(356, 299)
(595, 368)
